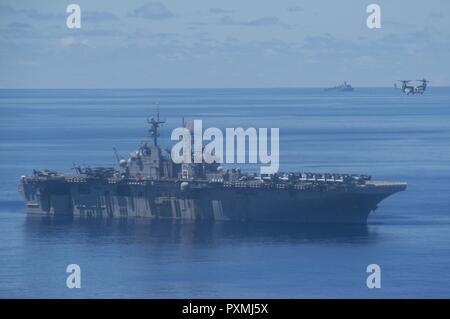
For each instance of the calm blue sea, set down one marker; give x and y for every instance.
(370, 131)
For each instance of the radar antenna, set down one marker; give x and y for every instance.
(155, 124)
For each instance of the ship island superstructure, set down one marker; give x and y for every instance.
(149, 184)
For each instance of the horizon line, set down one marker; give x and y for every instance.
(201, 88)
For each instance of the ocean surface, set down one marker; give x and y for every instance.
(376, 131)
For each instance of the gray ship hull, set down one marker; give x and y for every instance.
(203, 201)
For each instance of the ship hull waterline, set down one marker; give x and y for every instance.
(166, 200)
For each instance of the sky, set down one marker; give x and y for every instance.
(222, 44)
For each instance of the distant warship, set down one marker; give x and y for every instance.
(344, 87)
(149, 184)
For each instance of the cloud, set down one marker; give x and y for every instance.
(98, 16)
(398, 24)
(436, 15)
(29, 13)
(259, 22)
(407, 44)
(95, 16)
(17, 30)
(294, 9)
(219, 11)
(71, 42)
(145, 33)
(264, 21)
(19, 25)
(153, 11)
(101, 33)
(326, 42)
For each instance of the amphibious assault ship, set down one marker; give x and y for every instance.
(149, 184)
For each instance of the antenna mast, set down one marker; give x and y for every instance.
(155, 124)
(116, 154)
